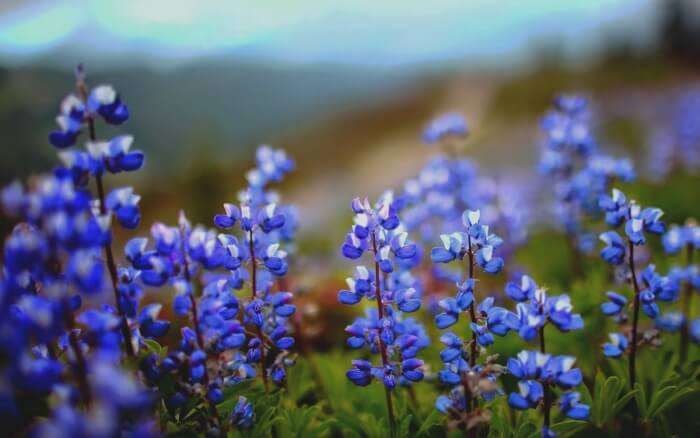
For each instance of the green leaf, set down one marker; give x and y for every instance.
(622, 402)
(657, 398)
(670, 400)
(569, 426)
(435, 418)
(154, 347)
(641, 399)
(611, 391)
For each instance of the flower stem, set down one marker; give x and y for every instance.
(382, 347)
(80, 368)
(471, 403)
(109, 255)
(635, 318)
(195, 322)
(112, 268)
(687, 299)
(547, 405)
(254, 289)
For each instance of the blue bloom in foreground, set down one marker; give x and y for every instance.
(617, 345)
(378, 230)
(242, 416)
(534, 369)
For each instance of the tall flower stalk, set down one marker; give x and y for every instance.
(637, 221)
(469, 380)
(538, 371)
(113, 156)
(378, 231)
(678, 240)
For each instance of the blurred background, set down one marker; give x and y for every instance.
(345, 86)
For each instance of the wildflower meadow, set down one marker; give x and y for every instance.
(470, 304)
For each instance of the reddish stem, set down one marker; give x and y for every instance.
(635, 320)
(382, 347)
(687, 299)
(254, 289)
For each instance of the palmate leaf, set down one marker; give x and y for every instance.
(302, 421)
(435, 418)
(666, 398)
(641, 399)
(568, 427)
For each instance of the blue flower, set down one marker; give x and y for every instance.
(670, 322)
(361, 373)
(242, 415)
(570, 405)
(614, 251)
(615, 306)
(695, 330)
(529, 395)
(445, 127)
(272, 166)
(522, 292)
(124, 203)
(105, 101)
(615, 207)
(70, 122)
(120, 158)
(617, 345)
(149, 325)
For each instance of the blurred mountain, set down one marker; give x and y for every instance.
(210, 108)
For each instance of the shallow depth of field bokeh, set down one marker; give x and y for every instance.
(347, 90)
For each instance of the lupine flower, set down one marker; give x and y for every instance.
(124, 203)
(534, 314)
(477, 239)
(617, 345)
(461, 370)
(70, 122)
(242, 416)
(570, 405)
(579, 173)
(534, 369)
(523, 291)
(377, 229)
(614, 251)
(649, 287)
(695, 330)
(105, 101)
(616, 304)
(669, 322)
(451, 125)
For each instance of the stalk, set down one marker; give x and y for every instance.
(80, 368)
(687, 299)
(254, 287)
(470, 403)
(195, 322)
(547, 405)
(109, 255)
(382, 347)
(635, 320)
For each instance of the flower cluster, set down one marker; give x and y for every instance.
(469, 381)
(53, 258)
(377, 230)
(535, 309)
(648, 288)
(685, 278)
(580, 173)
(231, 338)
(676, 144)
(535, 372)
(434, 200)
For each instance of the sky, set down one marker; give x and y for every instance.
(362, 32)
